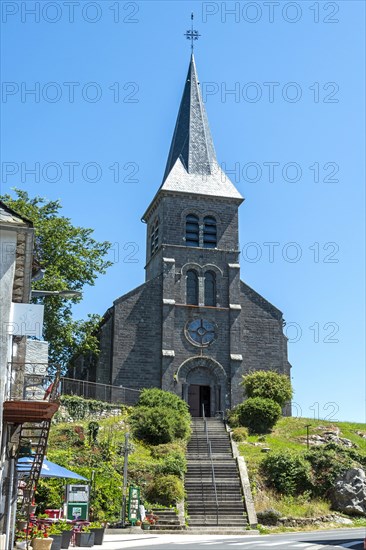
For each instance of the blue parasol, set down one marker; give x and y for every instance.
(49, 469)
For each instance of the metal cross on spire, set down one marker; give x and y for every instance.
(192, 34)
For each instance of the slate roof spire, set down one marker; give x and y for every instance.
(192, 166)
(192, 140)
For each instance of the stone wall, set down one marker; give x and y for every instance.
(137, 337)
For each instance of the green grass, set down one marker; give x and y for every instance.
(290, 434)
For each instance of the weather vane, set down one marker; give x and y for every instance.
(192, 34)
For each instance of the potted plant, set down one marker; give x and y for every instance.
(40, 538)
(20, 540)
(32, 509)
(56, 533)
(21, 520)
(149, 520)
(98, 529)
(66, 530)
(84, 537)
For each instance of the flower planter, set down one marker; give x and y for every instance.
(42, 544)
(66, 539)
(21, 524)
(21, 544)
(84, 539)
(145, 526)
(98, 534)
(57, 540)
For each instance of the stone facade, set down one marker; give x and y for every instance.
(145, 340)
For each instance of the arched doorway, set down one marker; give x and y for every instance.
(203, 385)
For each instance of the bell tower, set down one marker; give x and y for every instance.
(192, 241)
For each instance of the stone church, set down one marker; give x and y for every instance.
(194, 327)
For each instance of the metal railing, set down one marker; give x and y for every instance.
(101, 392)
(31, 382)
(209, 453)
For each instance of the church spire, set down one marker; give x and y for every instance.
(192, 167)
(192, 142)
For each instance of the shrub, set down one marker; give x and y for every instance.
(93, 429)
(240, 434)
(174, 464)
(159, 398)
(233, 418)
(287, 473)
(268, 385)
(162, 451)
(328, 463)
(258, 414)
(63, 436)
(153, 425)
(269, 516)
(156, 425)
(166, 490)
(79, 408)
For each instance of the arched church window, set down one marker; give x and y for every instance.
(210, 288)
(192, 230)
(192, 288)
(209, 232)
(154, 237)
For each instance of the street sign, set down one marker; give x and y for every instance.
(133, 504)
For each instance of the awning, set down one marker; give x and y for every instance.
(49, 469)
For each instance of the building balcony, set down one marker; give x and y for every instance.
(31, 394)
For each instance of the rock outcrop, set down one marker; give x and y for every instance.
(349, 492)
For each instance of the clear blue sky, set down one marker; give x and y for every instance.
(304, 64)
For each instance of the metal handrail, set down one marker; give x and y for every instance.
(31, 381)
(96, 390)
(209, 452)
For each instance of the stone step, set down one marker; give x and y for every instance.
(210, 507)
(230, 469)
(163, 526)
(220, 523)
(212, 514)
(222, 477)
(194, 499)
(206, 482)
(210, 495)
(219, 465)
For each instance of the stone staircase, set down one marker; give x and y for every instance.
(203, 513)
(168, 521)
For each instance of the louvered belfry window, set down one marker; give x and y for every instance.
(154, 237)
(192, 230)
(209, 232)
(210, 288)
(192, 288)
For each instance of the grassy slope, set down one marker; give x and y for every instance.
(69, 447)
(290, 433)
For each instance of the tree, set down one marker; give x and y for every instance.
(71, 259)
(269, 385)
